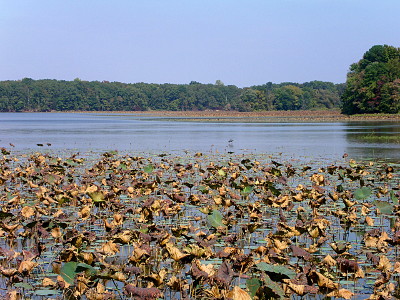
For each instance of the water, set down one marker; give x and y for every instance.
(135, 133)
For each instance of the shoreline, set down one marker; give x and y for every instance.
(219, 116)
(257, 117)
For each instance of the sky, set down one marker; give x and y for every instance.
(240, 42)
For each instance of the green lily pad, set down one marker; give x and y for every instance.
(277, 271)
(149, 168)
(272, 289)
(362, 193)
(247, 190)
(68, 272)
(394, 198)
(46, 292)
(253, 285)
(215, 219)
(384, 207)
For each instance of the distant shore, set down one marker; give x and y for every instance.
(257, 116)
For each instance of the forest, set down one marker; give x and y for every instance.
(28, 95)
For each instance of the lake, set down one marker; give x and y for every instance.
(138, 133)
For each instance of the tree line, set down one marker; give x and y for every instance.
(78, 95)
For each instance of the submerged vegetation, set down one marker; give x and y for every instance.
(221, 226)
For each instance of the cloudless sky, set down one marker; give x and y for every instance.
(240, 42)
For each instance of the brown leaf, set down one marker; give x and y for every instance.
(369, 221)
(84, 213)
(49, 282)
(56, 232)
(26, 266)
(174, 252)
(196, 272)
(347, 266)
(109, 248)
(8, 272)
(178, 284)
(324, 281)
(142, 293)
(329, 261)
(297, 288)
(224, 274)
(13, 295)
(365, 210)
(300, 252)
(118, 219)
(157, 278)
(342, 293)
(318, 179)
(119, 276)
(123, 237)
(238, 294)
(397, 267)
(27, 212)
(384, 264)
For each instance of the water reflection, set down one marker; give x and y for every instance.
(373, 140)
(84, 132)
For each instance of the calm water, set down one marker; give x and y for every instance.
(85, 132)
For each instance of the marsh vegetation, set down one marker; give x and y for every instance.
(197, 226)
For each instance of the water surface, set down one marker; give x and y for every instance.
(134, 133)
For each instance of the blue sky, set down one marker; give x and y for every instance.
(240, 42)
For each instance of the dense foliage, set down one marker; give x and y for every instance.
(58, 95)
(373, 83)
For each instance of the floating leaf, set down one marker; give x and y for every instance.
(277, 271)
(149, 168)
(221, 173)
(253, 285)
(362, 193)
(23, 285)
(46, 292)
(247, 190)
(97, 196)
(68, 272)
(70, 269)
(215, 219)
(238, 294)
(394, 199)
(272, 289)
(384, 207)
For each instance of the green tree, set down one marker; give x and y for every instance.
(288, 98)
(372, 84)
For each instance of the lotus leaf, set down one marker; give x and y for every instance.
(214, 219)
(277, 271)
(362, 193)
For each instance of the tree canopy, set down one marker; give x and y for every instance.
(59, 95)
(373, 83)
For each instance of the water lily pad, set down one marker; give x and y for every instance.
(247, 190)
(278, 271)
(394, 199)
(215, 219)
(272, 289)
(362, 193)
(68, 272)
(253, 285)
(384, 207)
(149, 168)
